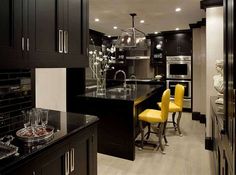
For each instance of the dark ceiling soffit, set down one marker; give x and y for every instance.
(168, 32)
(198, 24)
(91, 31)
(210, 3)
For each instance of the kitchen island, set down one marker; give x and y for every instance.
(117, 111)
(72, 149)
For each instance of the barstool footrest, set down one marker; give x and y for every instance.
(145, 143)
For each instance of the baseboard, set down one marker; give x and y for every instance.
(208, 143)
(203, 118)
(187, 110)
(195, 115)
(199, 117)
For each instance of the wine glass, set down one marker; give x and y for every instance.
(44, 118)
(26, 118)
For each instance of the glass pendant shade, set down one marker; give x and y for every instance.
(131, 37)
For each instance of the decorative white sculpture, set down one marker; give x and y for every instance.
(219, 81)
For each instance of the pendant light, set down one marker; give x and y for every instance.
(131, 37)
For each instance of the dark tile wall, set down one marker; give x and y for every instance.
(15, 96)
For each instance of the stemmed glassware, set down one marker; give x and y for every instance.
(44, 118)
(34, 118)
(26, 118)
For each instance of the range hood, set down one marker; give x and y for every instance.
(139, 53)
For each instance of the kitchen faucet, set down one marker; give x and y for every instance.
(123, 72)
(133, 77)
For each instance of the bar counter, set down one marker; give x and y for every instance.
(117, 112)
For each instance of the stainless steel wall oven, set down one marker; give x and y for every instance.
(178, 67)
(187, 93)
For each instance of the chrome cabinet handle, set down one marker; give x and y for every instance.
(60, 41)
(67, 157)
(23, 43)
(234, 93)
(27, 44)
(72, 160)
(65, 41)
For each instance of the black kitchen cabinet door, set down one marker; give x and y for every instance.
(83, 152)
(157, 49)
(45, 33)
(11, 34)
(58, 31)
(185, 44)
(171, 45)
(81, 157)
(76, 33)
(54, 162)
(178, 44)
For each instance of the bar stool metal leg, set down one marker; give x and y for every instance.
(142, 133)
(160, 138)
(149, 131)
(178, 124)
(164, 134)
(173, 120)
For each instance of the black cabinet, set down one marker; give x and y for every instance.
(75, 155)
(158, 49)
(58, 31)
(42, 33)
(178, 44)
(45, 22)
(223, 157)
(11, 30)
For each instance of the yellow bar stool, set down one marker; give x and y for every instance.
(153, 116)
(176, 106)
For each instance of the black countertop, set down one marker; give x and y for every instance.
(91, 84)
(141, 91)
(65, 124)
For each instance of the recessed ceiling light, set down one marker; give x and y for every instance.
(109, 36)
(142, 21)
(177, 28)
(178, 9)
(96, 20)
(156, 32)
(115, 27)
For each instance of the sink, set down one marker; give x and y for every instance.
(120, 90)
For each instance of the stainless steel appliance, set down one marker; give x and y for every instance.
(178, 67)
(187, 93)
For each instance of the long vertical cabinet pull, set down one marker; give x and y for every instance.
(27, 44)
(67, 163)
(66, 41)
(60, 41)
(234, 110)
(72, 159)
(23, 43)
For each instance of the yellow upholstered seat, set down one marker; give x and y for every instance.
(156, 116)
(151, 116)
(172, 107)
(177, 105)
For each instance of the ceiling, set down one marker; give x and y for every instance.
(159, 15)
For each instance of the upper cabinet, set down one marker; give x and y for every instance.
(42, 33)
(11, 30)
(158, 49)
(178, 44)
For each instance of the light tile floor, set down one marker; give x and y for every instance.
(184, 156)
